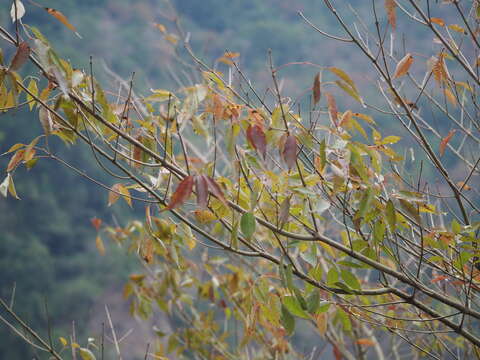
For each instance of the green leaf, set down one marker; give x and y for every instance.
(391, 215)
(332, 276)
(234, 235)
(350, 279)
(378, 231)
(287, 320)
(292, 304)
(365, 203)
(248, 224)
(313, 302)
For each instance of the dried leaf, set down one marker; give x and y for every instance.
(21, 56)
(390, 6)
(289, 152)
(332, 108)
(437, 21)
(160, 27)
(284, 212)
(445, 140)
(403, 66)
(439, 69)
(316, 89)
(337, 353)
(17, 7)
(63, 19)
(201, 187)
(183, 191)
(256, 138)
(462, 185)
(204, 216)
(46, 120)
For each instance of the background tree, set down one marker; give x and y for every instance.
(303, 209)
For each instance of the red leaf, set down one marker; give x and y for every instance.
(256, 138)
(316, 89)
(183, 191)
(289, 152)
(337, 353)
(439, 278)
(216, 190)
(96, 223)
(201, 186)
(445, 140)
(21, 56)
(332, 108)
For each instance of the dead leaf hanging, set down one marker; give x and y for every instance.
(403, 66)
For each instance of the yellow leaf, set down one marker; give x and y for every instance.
(457, 28)
(32, 87)
(450, 97)
(63, 341)
(204, 216)
(403, 66)
(160, 27)
(321, 322)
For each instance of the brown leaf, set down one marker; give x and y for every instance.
(332, 108)
(289, 152)
(445, 140)
(316, 89)
(183, 191)
(216, 190)
(440, 71)
(256, 138)
(21, 56)
(63, 19)
(337, 353)
(201, 186)
(403, 66)
(390, 6)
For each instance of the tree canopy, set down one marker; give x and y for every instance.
(272, 217)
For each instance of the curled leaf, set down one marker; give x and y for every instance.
(201, 187)
(316, 89)
(403, 66)
(17, 11)
(256, 138)
(63, 19)
(444, 142)
(181, 194)
(21, 56)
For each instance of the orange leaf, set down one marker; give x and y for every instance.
(96, 223)
(15, 160)
(437, 21)
(100, 246)
(63, 19)
(256, 138)
(403, 66)
(366, 342)
(21, 56)
(201, 186)
(332, 108)
(183, 191)
(390, 6)
(439, 69)
(289, 152)
(445, 140)
(316, 89)
(337, 353)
